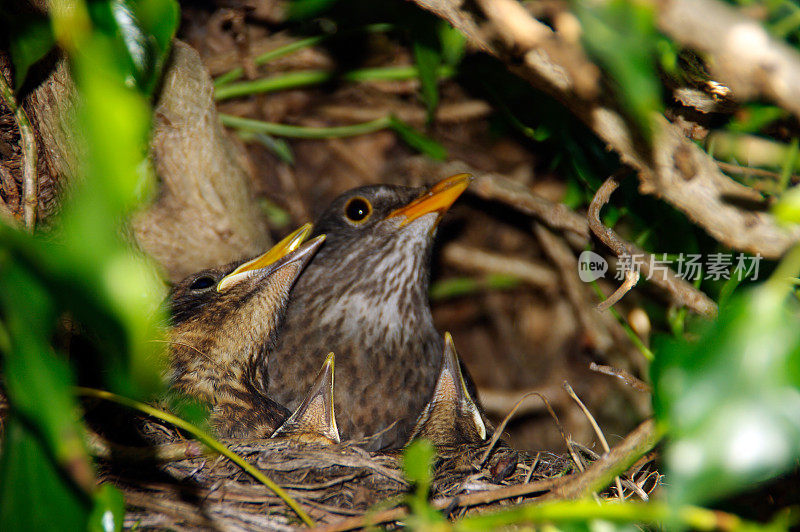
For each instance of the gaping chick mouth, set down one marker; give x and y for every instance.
(437, 199)
(290, 250)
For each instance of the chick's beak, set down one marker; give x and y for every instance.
(438, 199)
(280, 250)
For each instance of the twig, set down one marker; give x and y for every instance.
(478, 260)
(561, 254)
(492, 186)
(460, 501)
(203, 437)
(600, 473)
(498, 432)
(30, 179)
(170, 452)
(530, 474)
(751, 170)
(498, 402)
(596, 427)
(631, 278)
(682, 291)
(624, 376)
(614, 463)
(626, 327)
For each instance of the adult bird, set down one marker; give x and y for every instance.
(224, 322)
(364, 296)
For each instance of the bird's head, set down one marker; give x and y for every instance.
(381, 212)
(374, 263)
(222, 317)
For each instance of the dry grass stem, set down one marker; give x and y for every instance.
(595, 427)
(637, 384)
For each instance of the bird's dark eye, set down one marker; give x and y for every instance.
(201, 283)
(357, 209)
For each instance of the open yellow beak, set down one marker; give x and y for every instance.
(277, 252)
(438, 199)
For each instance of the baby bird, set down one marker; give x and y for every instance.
(224, 324)
(315, 419)
(451, 417)
(364, 296)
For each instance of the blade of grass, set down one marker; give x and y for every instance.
(581, 511)
(301, 132)
(305, 78)
(204, 437)
(417, 140)
(266, 57)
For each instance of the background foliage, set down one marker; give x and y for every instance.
(726, 392)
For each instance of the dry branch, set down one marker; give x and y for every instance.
(614, 463)
(30, 178)
(631, 278)
(675, 169)
(743, 55)
(206, 214)
(682, 291)
(561, 254)
(478, 260)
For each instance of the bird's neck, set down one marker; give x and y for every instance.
(370, 299)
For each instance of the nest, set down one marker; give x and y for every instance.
(341, 487)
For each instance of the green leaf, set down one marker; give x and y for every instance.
(139, 34)
(108, 513)
(417, 140)
(29, 40)
(305, 9)
(621, 35)
(418, 462)
(159, 21)
(753, 117)
(453, 43)
(43, 457)
(418, 468)
(787, 209)
(34, 493)
(731, 400)
(425, 46)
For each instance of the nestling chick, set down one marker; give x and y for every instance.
(224, 325)
(315, 419)
(451, 417)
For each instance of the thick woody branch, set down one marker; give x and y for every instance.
(674, 169)
(743, 55)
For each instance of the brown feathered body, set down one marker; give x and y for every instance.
(364, 297)
(220, 343)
